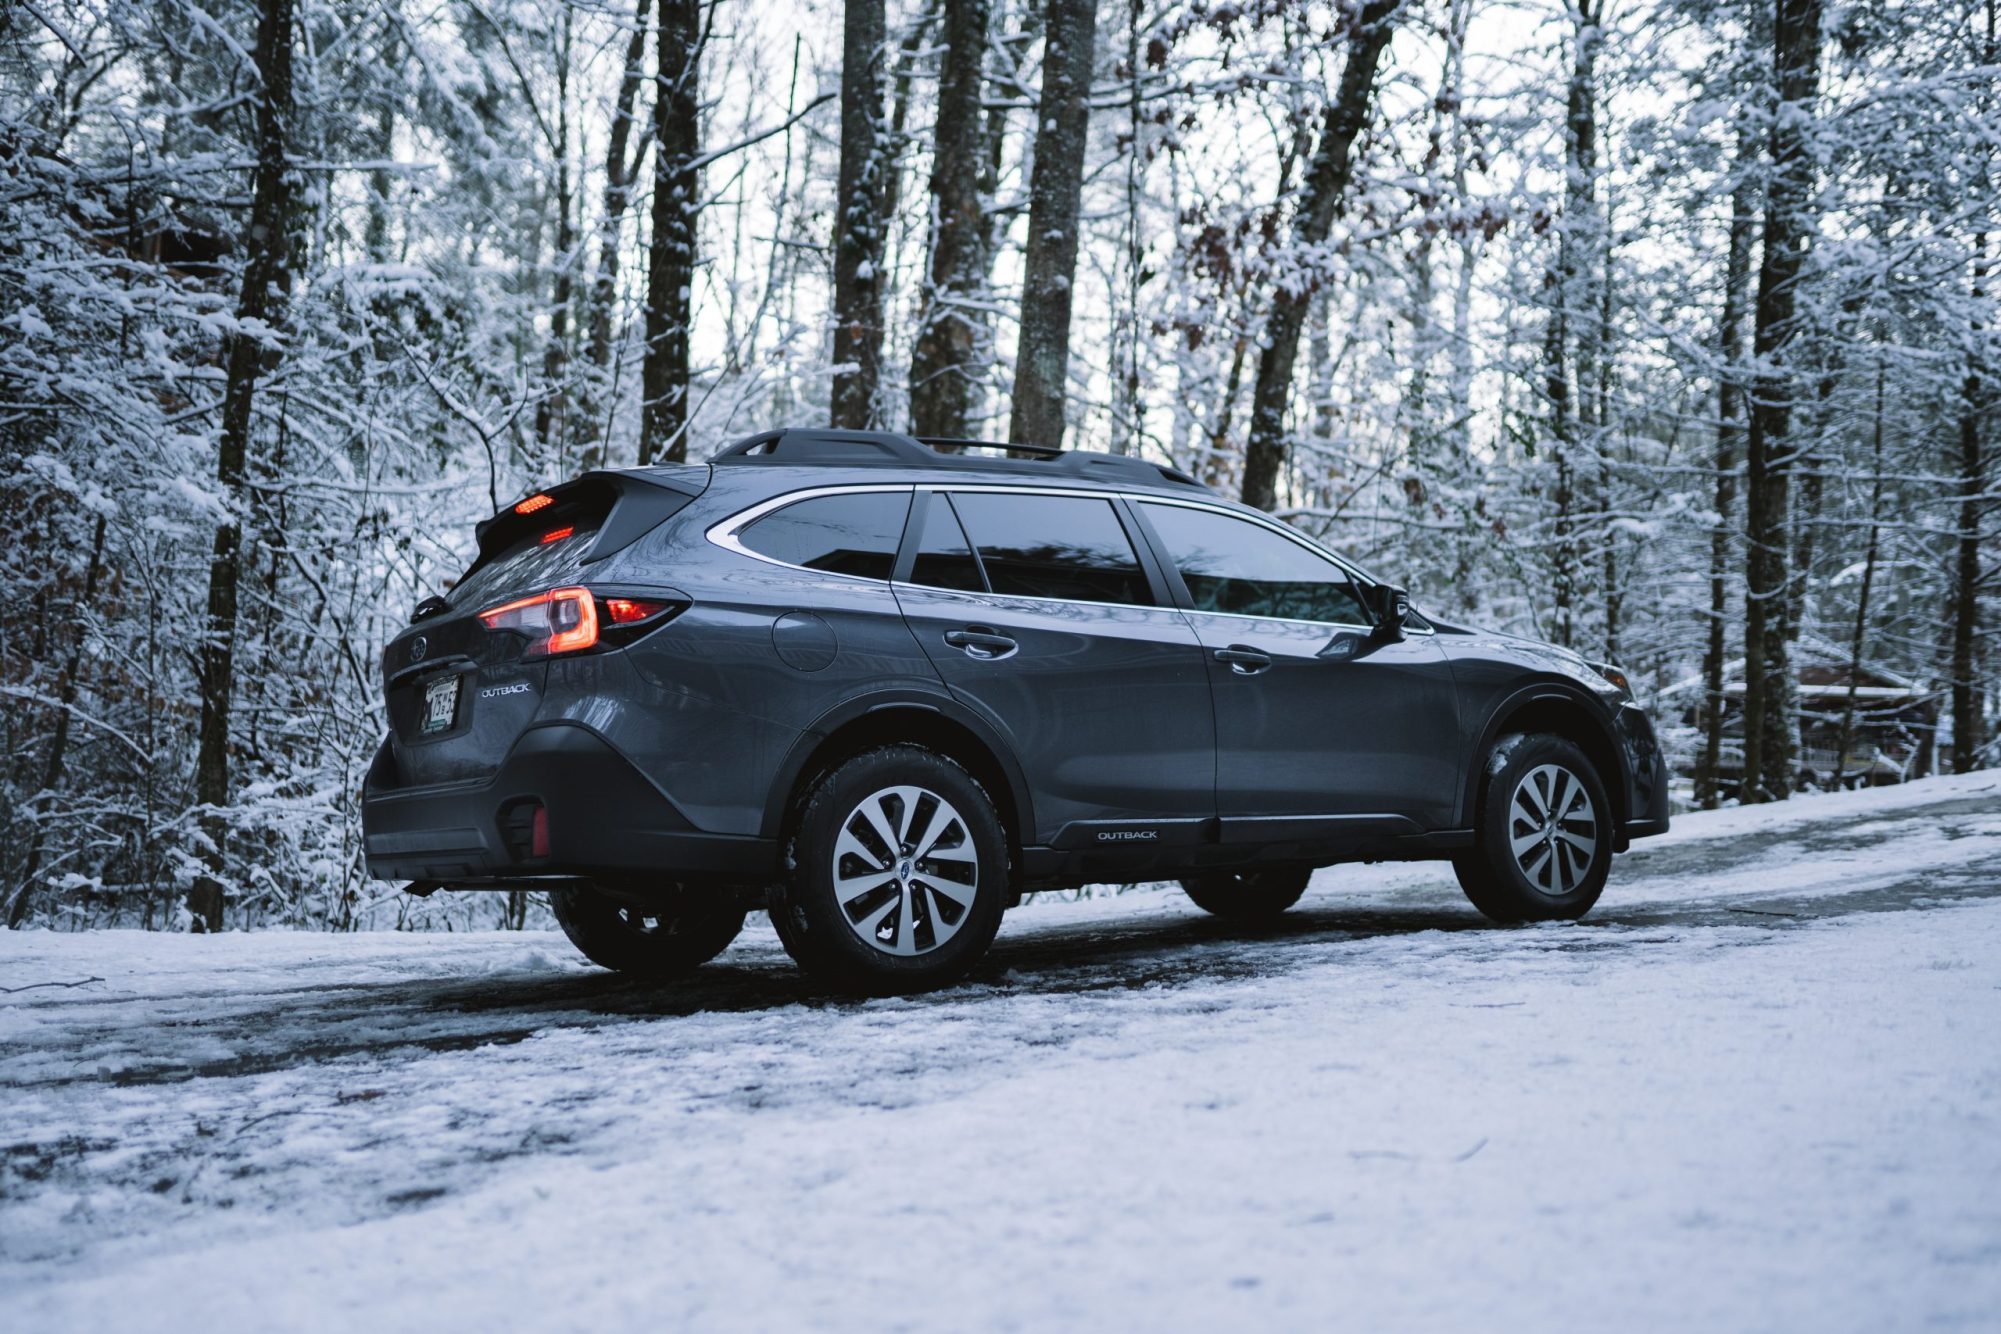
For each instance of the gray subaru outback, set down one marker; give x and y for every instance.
(883, 686)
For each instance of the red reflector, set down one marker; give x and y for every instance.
(533, 503)
(556, 535)
(624, 611)
(538, 835)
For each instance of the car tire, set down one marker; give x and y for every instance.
(667, 938)
(1527, 864)
(866, 915)
(1248, 896)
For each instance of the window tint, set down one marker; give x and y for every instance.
(944, 560)
(1233, 565)
(1068, 547)
(850, 534)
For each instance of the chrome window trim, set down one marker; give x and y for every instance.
(725, 534)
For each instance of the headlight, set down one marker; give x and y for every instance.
(1614, 675)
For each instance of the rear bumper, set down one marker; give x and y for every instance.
(605, 820)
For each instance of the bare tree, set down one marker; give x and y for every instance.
(266, 275)
(1769, 452)
(1055, 191)
(1975, 497)
(948, 352)
(1570, 331)
(858, 224)
(671, 251)
(1729, 431)
(1320, 203)
(621, 166)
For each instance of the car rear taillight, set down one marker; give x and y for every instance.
(563, 620)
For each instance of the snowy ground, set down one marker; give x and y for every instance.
(1759, 1089)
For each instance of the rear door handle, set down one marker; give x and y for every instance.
(979, 641)
(1244, 660)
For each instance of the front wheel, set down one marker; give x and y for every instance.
(675, 933)
(1543, 845)
(1247, 896)
(898, 871)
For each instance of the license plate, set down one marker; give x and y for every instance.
(441, 704)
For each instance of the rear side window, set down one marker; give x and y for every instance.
(856, 534)
(1233, 565)
(1069, 547)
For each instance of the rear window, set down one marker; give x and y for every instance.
(1071, 548)
(545, 558)
(857, 533)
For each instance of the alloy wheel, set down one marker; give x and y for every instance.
(1552, 829)
(905, 870)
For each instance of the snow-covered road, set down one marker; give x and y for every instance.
(1760, 1088)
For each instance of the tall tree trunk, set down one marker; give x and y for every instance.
(1845, 740)
(266, 273)
(1969, 690)
(618, 175)
(948, 353)
(552, 413)
(1055, 190)
(1319, 204)
(858, 222)
(1769, 690)
(1570, 315)
(1729, 428)
(670, 254)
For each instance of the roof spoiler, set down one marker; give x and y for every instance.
(628, 505)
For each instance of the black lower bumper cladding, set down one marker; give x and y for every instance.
(603, 819)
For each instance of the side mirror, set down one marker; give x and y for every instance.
(1391, 606)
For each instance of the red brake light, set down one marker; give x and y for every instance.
(624, 611)
(561, 621)
(556, 535)
(538, 501)
(538, 833)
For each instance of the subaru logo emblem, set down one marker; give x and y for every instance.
(418, 648)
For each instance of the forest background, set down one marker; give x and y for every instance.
(1662, 329)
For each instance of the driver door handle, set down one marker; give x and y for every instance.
(979, 641)
(1243, 659)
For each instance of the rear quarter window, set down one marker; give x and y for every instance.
(856, 533)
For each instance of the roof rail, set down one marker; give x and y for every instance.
(945, 442)
(812, 446)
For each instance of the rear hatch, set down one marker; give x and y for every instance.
(467, 676)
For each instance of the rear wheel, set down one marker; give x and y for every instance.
(899, 867)
(1543, 845)
(664, 937)
(1248, 896)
